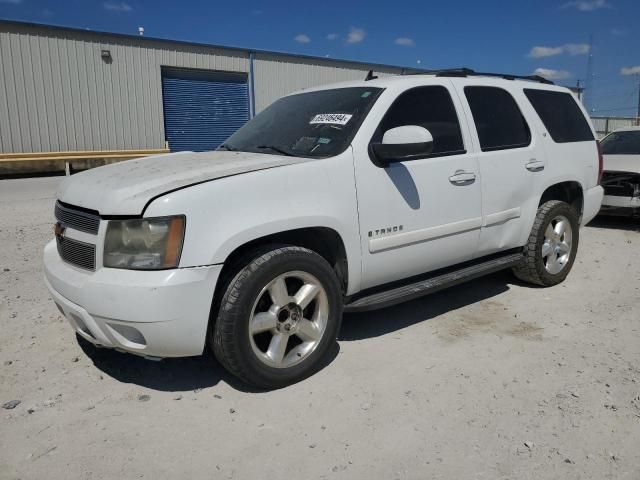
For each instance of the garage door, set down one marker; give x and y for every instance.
(202, 108)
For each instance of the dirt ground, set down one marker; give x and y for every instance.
(488, 380)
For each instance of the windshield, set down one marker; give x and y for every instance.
(622, 143)
(314, 124)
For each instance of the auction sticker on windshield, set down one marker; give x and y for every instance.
(332, 118)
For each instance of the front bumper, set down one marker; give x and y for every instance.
(623, 206)
(151, 313)
(592, 203)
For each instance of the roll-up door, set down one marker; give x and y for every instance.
(202, 108)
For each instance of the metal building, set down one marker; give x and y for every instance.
(606, 125)
(71, 93)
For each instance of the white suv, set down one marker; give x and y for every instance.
(343, 198)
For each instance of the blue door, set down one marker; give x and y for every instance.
(202, 108)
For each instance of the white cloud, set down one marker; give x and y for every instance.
(569, 48)
(550, 74)
(540, 52)
(332, 36)
(405, 42)
(576, 48)
(619, 32)
(630, 70)
(587, 5)
(356, 35)
(117, 6)
(14, 2)
(302, 38)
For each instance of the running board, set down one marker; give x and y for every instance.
(423, 287)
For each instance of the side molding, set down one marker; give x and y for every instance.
(501, 217)
(417, 236)
(404, 239)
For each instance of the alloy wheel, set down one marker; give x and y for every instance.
(556, 248)
(288, 319)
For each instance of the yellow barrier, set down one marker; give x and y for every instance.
(79, 155)
(43, 162)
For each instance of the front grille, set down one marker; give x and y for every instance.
(77, 253)
(77, 219)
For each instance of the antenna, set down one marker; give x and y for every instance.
(141, 31)
(370, 76)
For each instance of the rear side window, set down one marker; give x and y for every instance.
(498, 119)
(561, 115)
(428, 107)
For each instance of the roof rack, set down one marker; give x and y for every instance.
(467, 72)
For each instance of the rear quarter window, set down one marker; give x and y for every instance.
(560, 115)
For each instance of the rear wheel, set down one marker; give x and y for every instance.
(278, 318)
(552, 246)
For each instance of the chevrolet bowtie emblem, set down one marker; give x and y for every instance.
(59, 229)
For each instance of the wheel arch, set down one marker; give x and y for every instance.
(570, 192)
(325, 241)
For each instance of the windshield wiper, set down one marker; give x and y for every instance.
(276, 149)
(228, 147)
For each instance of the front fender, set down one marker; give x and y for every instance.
(227, 213)
(257, 231)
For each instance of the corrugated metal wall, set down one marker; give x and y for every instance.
(58, 94)
(277, 75)
(605, 125)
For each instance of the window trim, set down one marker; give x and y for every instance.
(501, 147)
(430, 155)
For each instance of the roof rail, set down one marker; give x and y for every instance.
(467, 72)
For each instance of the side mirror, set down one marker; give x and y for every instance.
(409, 142)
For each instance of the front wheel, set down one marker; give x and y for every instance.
(552, 246)
(278, 318)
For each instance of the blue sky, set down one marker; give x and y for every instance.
(517, 36)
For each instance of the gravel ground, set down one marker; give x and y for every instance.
(487, 380)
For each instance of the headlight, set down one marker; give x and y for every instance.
(144, 244)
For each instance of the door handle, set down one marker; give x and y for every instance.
(535, 165)
(461, 178)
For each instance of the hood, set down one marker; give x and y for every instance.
(622, 163)
(125, 188)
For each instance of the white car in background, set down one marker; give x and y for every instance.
(621, 177)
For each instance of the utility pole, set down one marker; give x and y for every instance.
(580, 91)
(588, 84)
(638, 111)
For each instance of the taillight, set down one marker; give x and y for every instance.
(600, 161)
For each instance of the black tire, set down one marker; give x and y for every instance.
(229, 334)
(533, 270)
